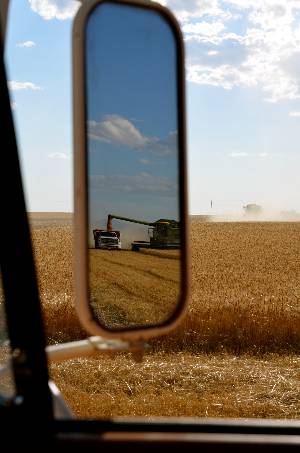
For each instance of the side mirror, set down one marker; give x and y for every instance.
(130, 169)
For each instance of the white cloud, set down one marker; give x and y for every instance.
(145, 161)
(140, 183)
(204, 28)
(277, 87)
(26, 44)
(268, 39)
(18, 86)
(225, 76)
(59, 156)
(212, 53)
(245, 154)
(118, 130)
(55, 9)
(215, 39)
(194, 9)
(294, 114)
(13, 105)
(238, 154)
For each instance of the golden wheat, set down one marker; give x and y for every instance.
(244, 298)
(53, 248)
(245, 288)
(244, 295)
(182, 384)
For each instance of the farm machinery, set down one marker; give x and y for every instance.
(163, 234)
(107, 240)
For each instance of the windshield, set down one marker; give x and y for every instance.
(109, 240)
(236, 354)
(109, 235)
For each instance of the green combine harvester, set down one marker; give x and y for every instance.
(164, 233)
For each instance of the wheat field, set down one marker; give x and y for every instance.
(134, 289)
(236, 354)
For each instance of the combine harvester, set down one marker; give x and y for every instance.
(164, 233)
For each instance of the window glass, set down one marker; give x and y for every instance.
(237, 352)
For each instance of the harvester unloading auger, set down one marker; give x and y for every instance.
(164, 233)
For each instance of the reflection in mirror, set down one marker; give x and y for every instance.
(133, 167)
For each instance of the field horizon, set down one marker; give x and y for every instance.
(271, 217)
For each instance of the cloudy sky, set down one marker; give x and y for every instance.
(243, 103)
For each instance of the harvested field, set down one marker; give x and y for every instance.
(132, 289)
(167, 254)
(182, 384)
(236, 353)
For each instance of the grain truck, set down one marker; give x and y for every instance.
(107, 240)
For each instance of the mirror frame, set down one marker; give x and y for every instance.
(80, 178)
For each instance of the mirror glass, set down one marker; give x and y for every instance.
(134, 233)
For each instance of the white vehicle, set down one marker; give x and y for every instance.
(107, 240)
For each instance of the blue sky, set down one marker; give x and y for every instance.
(131, 113)
(243, 103)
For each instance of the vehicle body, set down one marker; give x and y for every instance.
(28, 420)
(253, 210)
(107, 240)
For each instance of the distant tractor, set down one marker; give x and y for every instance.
(107, 240)
(253, 210)
(164, 233)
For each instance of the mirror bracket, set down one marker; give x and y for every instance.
(93, 346)
(137, 348)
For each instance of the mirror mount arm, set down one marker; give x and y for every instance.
(93, 346)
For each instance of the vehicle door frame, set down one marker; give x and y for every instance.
(30, 413)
